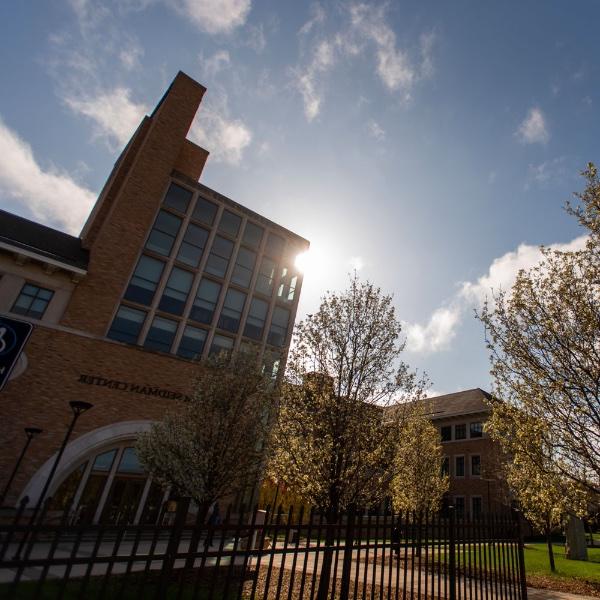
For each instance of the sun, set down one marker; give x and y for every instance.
(304, 261)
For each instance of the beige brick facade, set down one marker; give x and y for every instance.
(70, 356)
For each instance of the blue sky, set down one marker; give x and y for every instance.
(432, 145)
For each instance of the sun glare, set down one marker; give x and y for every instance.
(303, 261)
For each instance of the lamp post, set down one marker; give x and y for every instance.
(30, 432)
(488, 480)
(78, 407)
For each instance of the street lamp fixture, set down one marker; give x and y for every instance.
(30, 432)
(78, 407)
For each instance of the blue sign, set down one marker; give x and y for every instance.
(13, 337)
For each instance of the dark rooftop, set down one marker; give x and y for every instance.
(45, 241)
(468, 401)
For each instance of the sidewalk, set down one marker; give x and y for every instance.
(537, 594)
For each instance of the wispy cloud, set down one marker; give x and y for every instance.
(441, 328)
(375, 130)
(114, 114)
(365, 30)
(307, 80)
(533, 129)
(48, 194)
(214, 64)
(225, 137)
(317, 17)
(548, 172)
(130, 56)
(214, 16)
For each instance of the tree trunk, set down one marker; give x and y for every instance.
(331, 518)
(550, 549)
(575, 545)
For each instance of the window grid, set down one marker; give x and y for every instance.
(32, 301)
(199, 273)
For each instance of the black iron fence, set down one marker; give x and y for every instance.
(263, 554)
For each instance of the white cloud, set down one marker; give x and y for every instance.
(533, 129)
(226, 139)
(51, 196)
(130, 56)
(308, 80)
(437, 334)
(394, 66)
(442, 326)
(214, 64)
(547, 172)
(113, 112)
(214, 16)
(503, 270)
(317, 17)
(375, 130)
(367, 27)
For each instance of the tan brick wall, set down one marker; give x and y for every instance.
(39, 397)
(470, 485)
(122, 232)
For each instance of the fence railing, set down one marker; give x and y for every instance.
(264, 554)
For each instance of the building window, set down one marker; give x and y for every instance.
(476, 465)
(476, 430)
(274, 246)
(231, 313)
(161, 334)
(476, 506)
(204, 211)
(205, 302)
(32, 301)
(244, 266)
(178, 198)
(192, 245)
(459, 506)
(445, 466)
(255, 321)
(163, 233)
(192, 343)
(145, 280)
(459, 466)
(253, 235)
(220, 344)
(287, 285)
(446, 433)
(127, 325)
(176, 291)
(230, 223)
(460, 432)
(279, 326)
(266, 277)
(218, 259)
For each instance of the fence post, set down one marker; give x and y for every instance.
(348, 547)
(522, 576)
(452, 552)
(183, 505)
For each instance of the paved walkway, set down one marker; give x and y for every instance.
(368, 573)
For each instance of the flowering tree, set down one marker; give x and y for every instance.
(418, 483)
(334, 444)
(208, 447)
(544, 337)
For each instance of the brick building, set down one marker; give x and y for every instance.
(470, 457)
(164, 272)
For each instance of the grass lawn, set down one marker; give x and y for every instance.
(576, 576)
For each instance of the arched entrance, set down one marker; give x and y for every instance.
(110, 486)
(100, 479)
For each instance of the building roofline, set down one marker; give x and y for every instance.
(241, 208)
